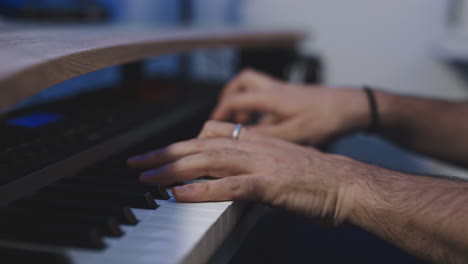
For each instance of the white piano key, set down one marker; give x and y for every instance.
(185, 212)
(173, 233)
(212, 206)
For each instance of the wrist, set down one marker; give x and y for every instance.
(363, 192)
(373, 200)
(354, 108)
(353, 187)
(392, 110)
(358, 115)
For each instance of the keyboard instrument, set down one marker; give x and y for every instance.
(67, 195)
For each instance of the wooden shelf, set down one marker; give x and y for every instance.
(33, 59)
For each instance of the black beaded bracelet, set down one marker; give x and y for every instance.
(374, 115)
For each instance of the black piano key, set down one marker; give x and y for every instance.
(158, 191)
(16, 255)
(54, 234)
(106, 225)
(143, 200)
(123, 215)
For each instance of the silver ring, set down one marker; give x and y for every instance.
(236, 132)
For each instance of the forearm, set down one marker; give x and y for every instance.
(425, 216)
(433, 127)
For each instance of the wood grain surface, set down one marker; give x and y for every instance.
(35, 58)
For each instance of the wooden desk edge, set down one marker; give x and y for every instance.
(33, 78)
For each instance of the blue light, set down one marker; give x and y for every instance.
(35, 120)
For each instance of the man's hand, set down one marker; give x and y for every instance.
(425, 216)
(292, 112)
(255, 167)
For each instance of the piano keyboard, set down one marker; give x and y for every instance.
(97, 211)
(173, 233)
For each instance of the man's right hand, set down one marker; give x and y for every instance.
(292, 112)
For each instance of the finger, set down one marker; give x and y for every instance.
(215, 163)
(242, 117)
(214, 129)
(179, 150)
(248, 79)
(268, 118)
(245, 187)
(150, 159)
(165, 155)
(236, 85)
(248, 102)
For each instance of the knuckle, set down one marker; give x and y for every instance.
(236, 188)
(189, 145)
(205, 188)
(248, 188)
(255, 188)
(206, 155)
(210, 125)
(228, 153)
(213, 158)
(212, 154)
(197, 144)
(221, 143)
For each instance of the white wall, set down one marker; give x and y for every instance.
(384, 43)
(388, 43)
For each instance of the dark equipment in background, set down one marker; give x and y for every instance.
(63, 11)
